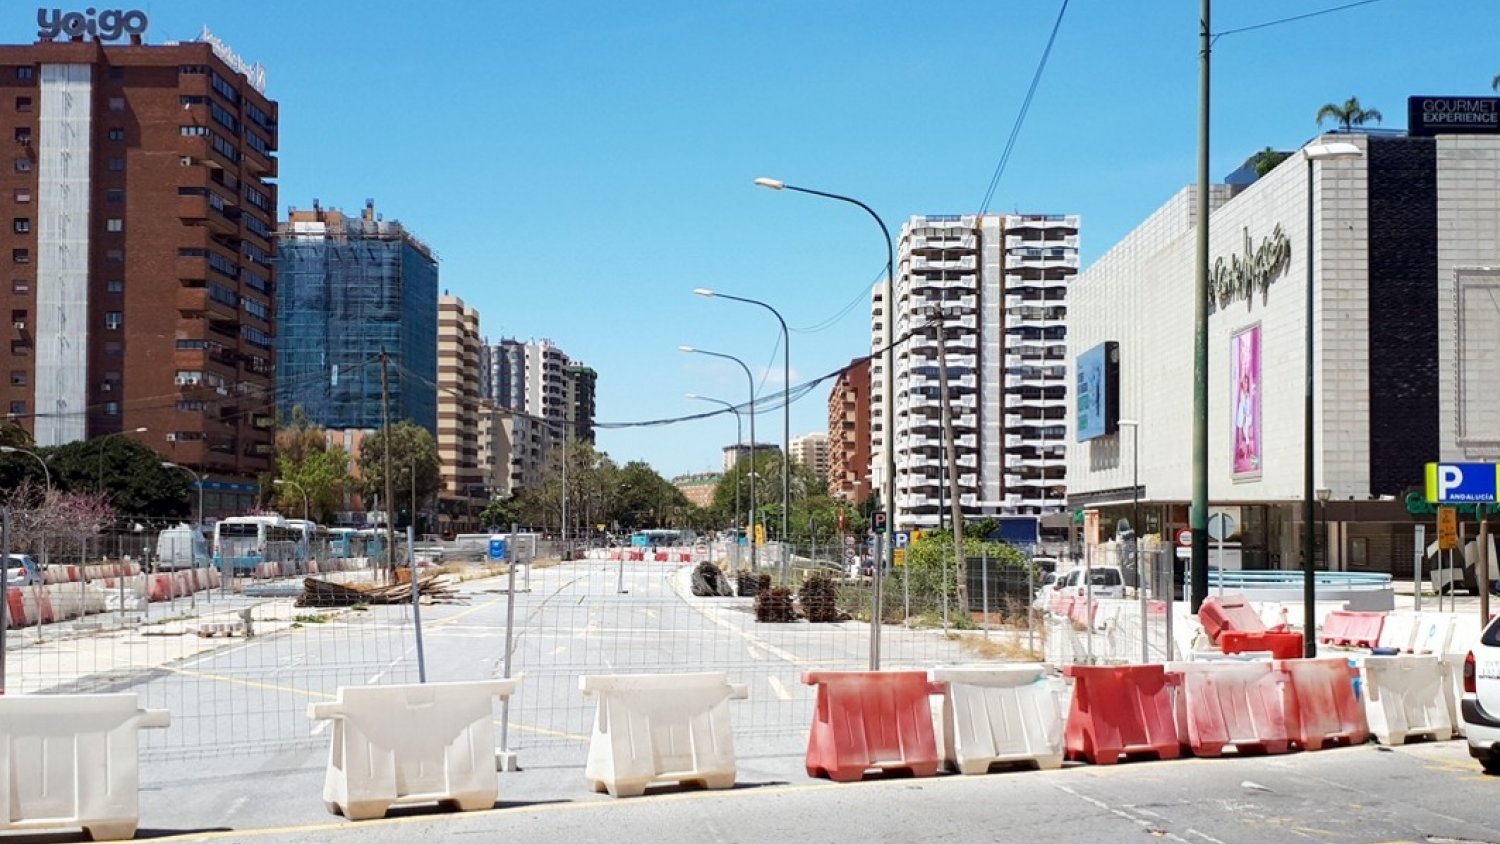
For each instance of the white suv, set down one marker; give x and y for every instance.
(1480, 708)
(1106, 582)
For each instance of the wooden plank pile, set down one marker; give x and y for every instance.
(323, 593)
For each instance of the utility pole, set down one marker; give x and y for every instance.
(390, 496)
(951, 447)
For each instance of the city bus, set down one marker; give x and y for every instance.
(243, 542)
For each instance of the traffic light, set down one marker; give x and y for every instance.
(878, 521)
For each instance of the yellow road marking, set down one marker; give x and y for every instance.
(235, 681)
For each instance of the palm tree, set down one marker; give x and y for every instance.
(1350, 114)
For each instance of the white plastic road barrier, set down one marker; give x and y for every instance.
(74, 600)
(70, 761)
(1405, 696)
(1434, 632)
(1398, 631)
(1001, 714)
(661, 728)
(403, 744)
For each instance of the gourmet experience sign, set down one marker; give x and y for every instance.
(1428, 116)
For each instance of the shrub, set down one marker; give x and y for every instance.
(752, 583)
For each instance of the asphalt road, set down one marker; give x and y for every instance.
(243, 762)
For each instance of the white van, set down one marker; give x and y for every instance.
(1107, 582)
(181, 547)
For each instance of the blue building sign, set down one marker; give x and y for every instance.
(1468, 483)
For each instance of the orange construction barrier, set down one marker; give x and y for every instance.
(1120, 710)
(1352, 629)
(1280, 645)
(1228, 612)
(871, 719)
(1321, 707)
(15, 610)
(1230, 704)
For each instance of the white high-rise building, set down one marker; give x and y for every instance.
(997, 287)
(811, 450)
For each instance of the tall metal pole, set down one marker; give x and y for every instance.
(390, 495)
(786, 416)
(1309, 547)
(739, 440)
(749, 379)
(951, 439)
(1199, 515)
(889, 425)
(566, 555)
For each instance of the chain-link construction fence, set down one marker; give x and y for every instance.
(235, 658)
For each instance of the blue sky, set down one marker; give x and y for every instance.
(580, 167)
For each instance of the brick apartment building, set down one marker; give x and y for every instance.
(139, 221)
(849, 433)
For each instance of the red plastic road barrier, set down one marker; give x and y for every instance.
(1083, 612)
(1352, 629)
(871, 719)
(1321, 708)
(637, 556)
(15, 609)
(1230, 704)
(1062, 605)
(1120, 710)
(1281, 645)
(1228, 612)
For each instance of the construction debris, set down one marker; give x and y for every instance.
(323, 593)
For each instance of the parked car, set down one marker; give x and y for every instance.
(1480, 708)
(1104, 582)
(22, 570)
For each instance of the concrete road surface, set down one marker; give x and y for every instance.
(1426, 793)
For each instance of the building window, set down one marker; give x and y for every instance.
(22, 225)
(20, 285)
(193, 69)
(23, 104)
(113, 349)
(17, 408)
(18, 315)
(18, 377)
(193, 99)
(114, 285)
(116, 103)
(23, 195)
(111, 408)
(117, 73)
(23, 165)
(115, 165)
(193, 131)
(113, 319)
(25, 73)
(114, 256)
(114, 224)
(117, 134)
(114, 196)
(23, 134)
(19, 348)
(20, 256)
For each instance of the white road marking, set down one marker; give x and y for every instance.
(778, 687)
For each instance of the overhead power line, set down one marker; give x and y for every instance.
(1015, 131)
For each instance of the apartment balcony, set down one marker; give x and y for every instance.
(964, 241)
(961, 263)
(200, 300)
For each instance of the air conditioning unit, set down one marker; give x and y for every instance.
(20, 325)
(187, 161)
(171, 438)
(107, 387)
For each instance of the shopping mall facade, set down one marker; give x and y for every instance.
(1405, 276)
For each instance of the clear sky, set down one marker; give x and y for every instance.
(581, 166)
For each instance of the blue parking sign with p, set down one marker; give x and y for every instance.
(1468, 483)
(903, 538)
(497, 549)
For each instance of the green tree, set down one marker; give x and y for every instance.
(501, 513)
(134, 483)
(312, 467)
(1349, 114)
(642, 498)
(414, 467)
(1267, 159)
